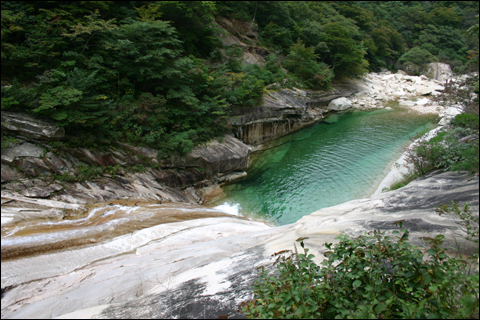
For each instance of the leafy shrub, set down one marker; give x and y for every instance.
(414, 60)
(407, 178)
(466, 120)
(447, 150)
(372, 276)
(468, 221)
(302, 63)
(279, 38)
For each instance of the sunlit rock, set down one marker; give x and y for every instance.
(204, 268)
(339, 104)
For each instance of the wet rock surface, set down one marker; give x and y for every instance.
(203, 268)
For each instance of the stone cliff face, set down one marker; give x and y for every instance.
(285, 111)
(29, 166)
(192, 178)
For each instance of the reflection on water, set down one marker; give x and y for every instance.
(332, 162)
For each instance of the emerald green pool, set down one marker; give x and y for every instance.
(340, 159)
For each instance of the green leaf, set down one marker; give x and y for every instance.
(357, 283)
(380, 307)
(433, 288)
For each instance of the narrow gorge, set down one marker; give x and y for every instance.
(138, 244)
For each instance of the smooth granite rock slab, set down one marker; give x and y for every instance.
(204, 268)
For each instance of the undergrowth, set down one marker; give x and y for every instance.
(456, 149)
(373, 276)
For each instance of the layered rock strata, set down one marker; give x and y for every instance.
(33, 167)
(284, 111)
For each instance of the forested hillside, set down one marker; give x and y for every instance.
(157, 72)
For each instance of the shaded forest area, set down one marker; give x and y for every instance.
(156, 72)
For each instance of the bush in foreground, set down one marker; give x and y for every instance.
(372, 276)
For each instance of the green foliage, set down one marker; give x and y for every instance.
(135, 70)
(468, 221)
(406, 179)
(414, 60)
(7, 141)
(372, 276)
(448, 151)
(192, 19)
(302, 63)
(279, 38)
(345, 54)
(466, 120)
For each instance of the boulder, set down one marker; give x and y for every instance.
(407, 103)
(217, 156)
(14, 186)
(36, 192)
(28, 126)
(30, 164)
(447, 115)
(439, 71)
(410, 89)
(179, 178)
(212, 193)
(424, 91)
(339, 104)
(25, 149)
(55, 163)
(10, 174)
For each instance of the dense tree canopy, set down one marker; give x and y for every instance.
(157, 73)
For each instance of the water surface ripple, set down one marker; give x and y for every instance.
(324, 165)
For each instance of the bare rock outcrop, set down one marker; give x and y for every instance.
(285, 111)
(439, 71)
(31, 166)
(27, 126)
(204, 268)
(217, 156)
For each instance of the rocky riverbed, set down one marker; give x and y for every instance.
(171, 257)
(203, 268)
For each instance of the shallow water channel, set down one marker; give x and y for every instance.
(340, 159)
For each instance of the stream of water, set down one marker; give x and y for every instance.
(343, 158)
(337, 160)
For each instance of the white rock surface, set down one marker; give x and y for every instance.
(204, 268)
(379, 88)
(449, 114)
(339, 104)
(440, 71)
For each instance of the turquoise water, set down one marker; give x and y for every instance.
(338, 160)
